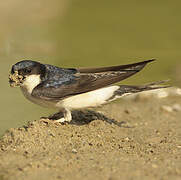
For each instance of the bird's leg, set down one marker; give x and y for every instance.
(67, 116)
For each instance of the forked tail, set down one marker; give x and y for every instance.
(128, 89)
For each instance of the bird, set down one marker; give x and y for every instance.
(67, 89)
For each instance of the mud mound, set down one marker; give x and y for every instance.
(132, 139)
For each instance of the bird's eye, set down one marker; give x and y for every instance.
(27, 71)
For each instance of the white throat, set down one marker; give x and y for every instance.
(31, 82)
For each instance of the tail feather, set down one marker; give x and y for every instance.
(128, 89)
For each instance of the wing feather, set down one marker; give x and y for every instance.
(85, 80)
(134, 66)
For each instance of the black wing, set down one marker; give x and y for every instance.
(85, 80)
(135, 66)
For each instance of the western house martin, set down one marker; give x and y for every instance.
(66, 89)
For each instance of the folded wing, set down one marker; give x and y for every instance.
(85, 80)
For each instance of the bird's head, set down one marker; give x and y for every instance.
(23, 70)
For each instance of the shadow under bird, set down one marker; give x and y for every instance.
(66, 89)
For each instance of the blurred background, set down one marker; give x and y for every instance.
(81, 33)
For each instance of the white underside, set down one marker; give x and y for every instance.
(89, 99)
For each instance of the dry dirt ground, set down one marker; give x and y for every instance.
(134, 139)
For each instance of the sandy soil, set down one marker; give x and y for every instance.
(134, 139)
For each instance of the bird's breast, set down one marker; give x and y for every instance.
(41, 102)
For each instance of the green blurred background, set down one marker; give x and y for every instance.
(74, 33)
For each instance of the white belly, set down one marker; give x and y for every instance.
(89, 99)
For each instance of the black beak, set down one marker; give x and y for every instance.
(10, 81)
(12, 70)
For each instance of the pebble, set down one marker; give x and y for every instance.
(172, 108)
(126, 138)
(167, 108)
(162, 94)
(74, 151)
(176, 107)
(154, 140)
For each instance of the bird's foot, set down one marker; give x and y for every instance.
(61, 120)
(60, 117)
(48, 120)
